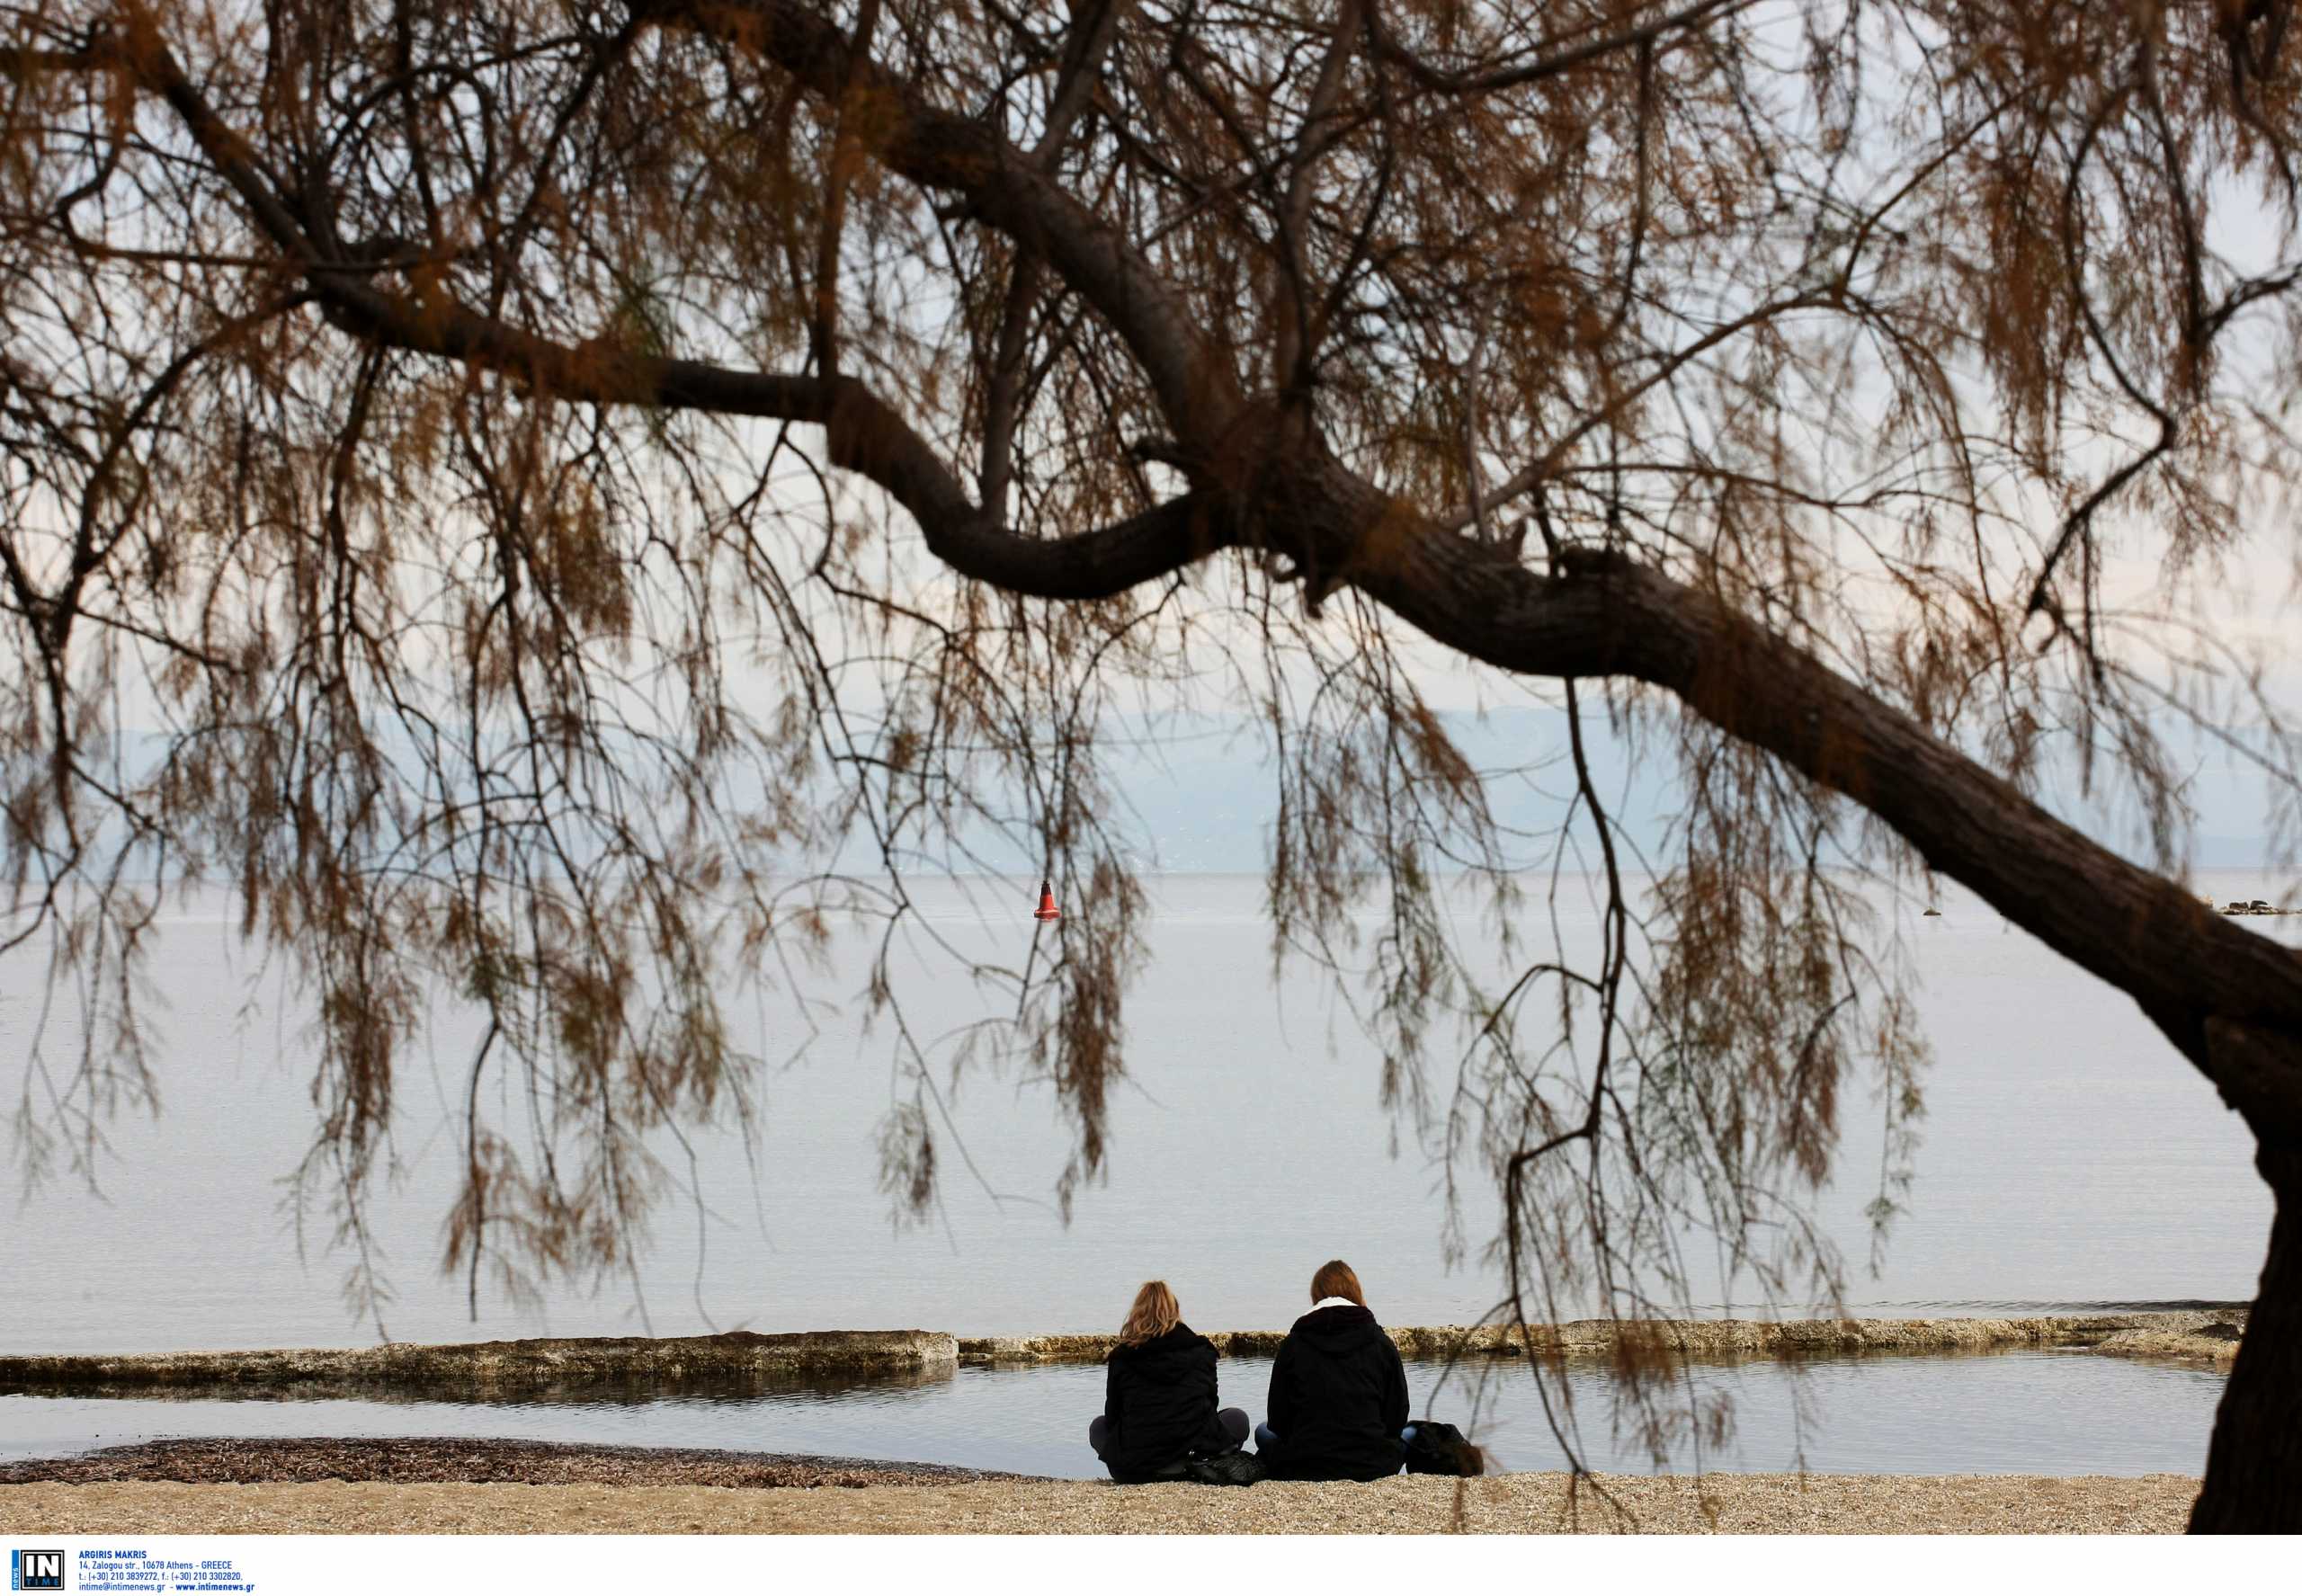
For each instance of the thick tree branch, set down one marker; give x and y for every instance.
(862, 432)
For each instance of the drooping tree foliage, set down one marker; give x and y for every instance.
(583, 495)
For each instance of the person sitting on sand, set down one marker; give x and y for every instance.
(1338, 1391)
(1159, 1395)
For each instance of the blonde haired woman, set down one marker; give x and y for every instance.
(1159, 1395)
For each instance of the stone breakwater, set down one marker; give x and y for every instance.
(2209, 1336)
(514, 1368)
(502, 1366)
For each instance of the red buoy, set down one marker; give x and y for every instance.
(1046, 910)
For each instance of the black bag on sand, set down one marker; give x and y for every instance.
(1224, 1468)
(1439, 1447)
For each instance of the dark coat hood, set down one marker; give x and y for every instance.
(1336, 1328)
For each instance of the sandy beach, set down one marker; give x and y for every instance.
(448, 1487)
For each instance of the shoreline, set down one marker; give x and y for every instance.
(446, 1459)
(2207, 1336)
(453, 1485)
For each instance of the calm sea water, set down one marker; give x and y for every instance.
(2070, 1158)
(2008, 1413)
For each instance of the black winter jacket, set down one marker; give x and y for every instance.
(1338, 1399)
(1159, 1404)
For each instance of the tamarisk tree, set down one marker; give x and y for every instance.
(525, 488)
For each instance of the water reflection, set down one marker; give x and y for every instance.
(495, 1390)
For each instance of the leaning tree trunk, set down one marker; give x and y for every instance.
(2254, 1468)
